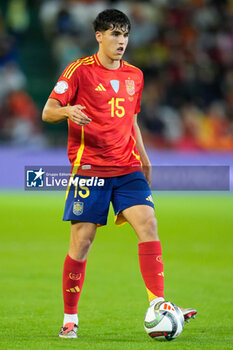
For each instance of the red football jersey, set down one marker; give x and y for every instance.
(106, 147)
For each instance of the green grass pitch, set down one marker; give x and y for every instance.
(196, 232)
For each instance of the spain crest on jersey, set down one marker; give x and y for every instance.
(130, 87)
(78, 208)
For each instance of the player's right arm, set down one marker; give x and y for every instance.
(58, 106)
(53, 112)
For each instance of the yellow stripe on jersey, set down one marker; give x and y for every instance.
(73, 69)
(70, 67)
(89, 62)
(133, 139)
(79, 153)
(87, 58)
(73, 66)
(130, 65)
(96, 59)
(77, 162)
(136, 155)
(68, 187)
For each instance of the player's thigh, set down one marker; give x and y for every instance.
(132, 202)
(143, 221)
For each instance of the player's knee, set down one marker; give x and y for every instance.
(83, 244)
(151, 226)
(79, 248)
(149, 231)
(82, 236)
(81, 241)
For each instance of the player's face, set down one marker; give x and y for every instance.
(113, 42)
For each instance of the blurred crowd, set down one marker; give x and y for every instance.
(185, 49)
(19, 115)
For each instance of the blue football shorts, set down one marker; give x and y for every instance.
(88, 198)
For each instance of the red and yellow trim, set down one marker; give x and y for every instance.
(77, 161)
(73, 66)
(96, 59)
(88, 60)
(130, 65)
(69, 68)
(135, 154)
(69, 75)
(79, 153)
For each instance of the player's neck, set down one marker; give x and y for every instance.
(108, 62)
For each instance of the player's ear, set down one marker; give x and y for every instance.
(98, 36)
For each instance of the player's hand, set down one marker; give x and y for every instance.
(76, 115)
(147, 171)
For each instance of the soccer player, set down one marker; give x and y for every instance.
(100, 97)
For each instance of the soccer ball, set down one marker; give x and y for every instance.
(164, 320)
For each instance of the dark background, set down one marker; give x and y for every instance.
(185, 49)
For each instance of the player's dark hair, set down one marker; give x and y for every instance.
(111, 18)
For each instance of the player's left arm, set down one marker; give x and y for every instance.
(146, 165)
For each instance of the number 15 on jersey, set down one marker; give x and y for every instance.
(117, 110)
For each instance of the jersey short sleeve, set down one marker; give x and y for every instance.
(138, 105)
(67, 85)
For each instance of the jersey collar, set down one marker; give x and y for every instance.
(99, 64)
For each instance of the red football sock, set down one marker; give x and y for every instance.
(151, 265)
(73, 278)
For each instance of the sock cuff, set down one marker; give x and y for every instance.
(75, 264)
(70, 318)
(150, 248)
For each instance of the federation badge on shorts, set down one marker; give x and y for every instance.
(130, 87)
(78, 208)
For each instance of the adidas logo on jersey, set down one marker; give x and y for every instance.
(100, 88)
